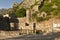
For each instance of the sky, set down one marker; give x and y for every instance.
(7, 3)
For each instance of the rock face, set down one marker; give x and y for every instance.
(28, 3)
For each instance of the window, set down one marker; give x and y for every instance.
(26, 24)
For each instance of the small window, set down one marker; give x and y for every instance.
(26, 24)
(43, 15)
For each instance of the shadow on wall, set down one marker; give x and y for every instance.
(15, 22)
(42, 3)
(5, 23)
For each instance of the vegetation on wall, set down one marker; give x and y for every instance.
(34, 15)
(21, 12)
(47, 7)
(39, 19)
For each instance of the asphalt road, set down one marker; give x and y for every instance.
(54, 36)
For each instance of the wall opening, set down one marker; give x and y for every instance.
(26, 24)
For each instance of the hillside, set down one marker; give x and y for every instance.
(2, 11)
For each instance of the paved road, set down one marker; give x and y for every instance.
(55, 36)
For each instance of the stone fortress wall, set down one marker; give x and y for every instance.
(46, 26)
(24, 23)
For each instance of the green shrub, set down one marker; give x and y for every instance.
(21, 12)
(34, 15)
(47, 17)
(46, 7)
(39, 19)
(57, 2)
(55, 12)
